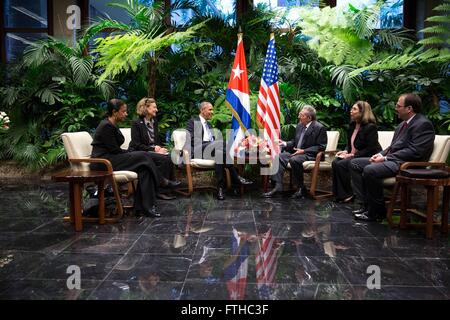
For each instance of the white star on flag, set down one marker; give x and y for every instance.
(237, 72)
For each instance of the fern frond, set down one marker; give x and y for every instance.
(436, 29)
(81, 69)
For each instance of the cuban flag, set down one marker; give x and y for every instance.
(236, 267)
(237, 97)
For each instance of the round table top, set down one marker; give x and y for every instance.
(81, 176)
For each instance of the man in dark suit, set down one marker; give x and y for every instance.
(145, 137)
(310, 138)
(413, 141)
(205, 145)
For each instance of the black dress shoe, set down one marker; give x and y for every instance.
(163, 196)
(359, 211)
(152, 213)
(364, 217)
(173, 183)
(300, 194)
(346, 200)
(271, 193)
(220, 194)
(244, 181)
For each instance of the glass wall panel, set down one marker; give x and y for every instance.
(222, 8)
(288, 13)
(25, 13)
(391, 13)
(100, 9)
(17, 42)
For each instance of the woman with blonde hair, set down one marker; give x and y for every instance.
(362, 141)
(145, 137)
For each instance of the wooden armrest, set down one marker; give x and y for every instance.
(186, 157)
(407, 165)
(319, 156)
(106, 162)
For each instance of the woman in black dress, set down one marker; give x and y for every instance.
(362, 141)
(106, 145)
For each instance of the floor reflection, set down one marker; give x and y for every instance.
(241, 248)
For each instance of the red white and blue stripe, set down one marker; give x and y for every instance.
(237, 97)
(268, 108)
(236, 268)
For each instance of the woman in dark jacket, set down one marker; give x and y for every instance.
(145, 137)
(106, 145)
(362, 141)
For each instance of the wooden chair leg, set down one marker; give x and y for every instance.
(77, 206)
(314, 178)
(101, 202)
(403, 204)
(445, 205)
(189, 179)
(430, 210)
(119, 207)
(72, 202)
(392, 204)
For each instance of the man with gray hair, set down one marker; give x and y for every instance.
(310, 138)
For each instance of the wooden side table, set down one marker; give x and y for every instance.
(76, 181)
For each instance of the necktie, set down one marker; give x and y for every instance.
(302, 134)
(151, 133)
(401, 132)
(208, 131)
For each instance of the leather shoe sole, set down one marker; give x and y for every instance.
(163, 196)
(359, 211)
(298, 196)
(270, 194)
(245, 182)
(173, 184)
(364, 217)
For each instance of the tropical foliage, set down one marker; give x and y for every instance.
(329, 60)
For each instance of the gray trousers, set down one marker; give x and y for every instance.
(296, 163)
(367, 179)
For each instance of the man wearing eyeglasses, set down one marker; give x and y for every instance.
(413, 141)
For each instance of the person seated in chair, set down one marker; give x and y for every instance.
(413, 141)
(362, 141)
(310, 138)
(202, 138)
(106, 144)
(145, 137)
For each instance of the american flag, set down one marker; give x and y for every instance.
(268, 109)
(236, 267)
(266, 265)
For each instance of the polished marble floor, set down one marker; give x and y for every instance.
(318, 251)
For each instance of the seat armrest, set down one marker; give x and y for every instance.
(186, 157)
(319, 156)
(106, 162)
(407, 165)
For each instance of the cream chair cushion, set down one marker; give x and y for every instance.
(385, 138)
(179, 139)
(78, 146)
(332, 142)
(127, 135)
